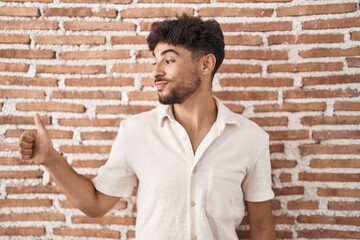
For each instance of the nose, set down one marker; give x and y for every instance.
(158, 71)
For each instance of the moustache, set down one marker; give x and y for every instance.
(161, 79)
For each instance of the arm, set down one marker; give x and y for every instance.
(38, 149)
(262, 226)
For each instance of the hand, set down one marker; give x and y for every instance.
(36, 146)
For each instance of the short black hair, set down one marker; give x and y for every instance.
(198, 36)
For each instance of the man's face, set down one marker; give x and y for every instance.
(176, 74)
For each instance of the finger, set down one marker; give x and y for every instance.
(25, 157)
(23, 151)
(28, 137)
(23, 144)
(39, 124)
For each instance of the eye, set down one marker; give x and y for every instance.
(169, 61)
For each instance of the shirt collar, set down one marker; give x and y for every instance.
(224, 116)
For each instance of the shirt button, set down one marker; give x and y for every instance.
(193, 203)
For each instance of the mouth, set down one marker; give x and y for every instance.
(160, 84)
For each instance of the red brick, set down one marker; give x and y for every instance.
(88, 163)
(257, 54)
(278, 163)
(329, 52)
(128, 40)
(15, 38)
(285, 177)
(332, 23)
(42, 1)
(155, 12)
(302, 204)
(29, 25)
(32, 54)
(306, 39)
(235, 12)
(285, 191)
(88, 122)
(246, 95)
(32, 189)
(131, 233)
(22, 231)
(331, 80)
(288, 134)
(32, 216)
(96, 1)
(240, 68)
(99, 26)
(86, 232)
(316, 9)
(111, 54)
(243, 40)
(309, 149)
(22, 120)
(100, 82)
(20, 174)
(254, 1)
(37, 81)
(344, 206)
(8, 146)
(69, 40)
(79, 12)
(336, 134)
(133, 68)
(8, 161)
(140, 96)
(257, 26)
(353, 62)
(321, 120)
(122, 109)
(305, 67)
(346, 106)
(335, 163)
(54, 134)
(77, 149)
(277, 148)
(99, 94)
(19, 11)
(237, 108)
(50, 107)
(98, 135)
(284, 234)
(61, 69)
(14, 67)
(14, 93)
(327, 233)
(126, 220)
(338, 192)
(291, 107)
(271, 121)
(329, 220)
(284, 219)
(25, 203)
(342, 93)
(355, 36)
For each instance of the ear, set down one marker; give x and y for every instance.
(207, 64)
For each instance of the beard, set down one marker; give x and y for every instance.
(180, 91)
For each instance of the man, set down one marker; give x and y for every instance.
(196, 163)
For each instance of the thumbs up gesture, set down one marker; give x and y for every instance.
(36, 146)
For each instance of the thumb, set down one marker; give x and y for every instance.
(39, 124)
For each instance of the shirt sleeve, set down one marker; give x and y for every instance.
(257, 183)
(116, 177)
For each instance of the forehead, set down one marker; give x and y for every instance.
(163, 49)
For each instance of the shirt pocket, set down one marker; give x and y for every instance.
(224, 195)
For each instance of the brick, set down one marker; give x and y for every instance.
(79, 12)
(277, 148)
(133, 68)
(122, 109)
(8, 146)
(305, 39)
(257, 54)
(25, 203)
(88, 122)
(291, 107)
(309, 149)
(9, 161)
(289, 134)
(355, 36)
(342, 93)
(147, 81)
(246, 95)
(54, 134)
(254, 1)
(328, 219)
(144, 54)
(338, 192)
(303, 204)
(29, 25)
(335, 163)
(99, 26)
(331, 80)
(249, 40)
(284, 219)
(344, 206)
(346, 106)
(332, 23)
(42, 1)
(316, 9)
(20, 174)
(327, 233)
(98, 135)
(37, 189)
(271, 121)
(22, 231)
(95, 1)
(77, 149)
(284, 234)
(110, 54)
(99, 94)
(50, 107)
(15, 38)
(240, 68)
(337, 120)
(32, 216)
(278, 163)
(305, 67)
(237, 108)
(174, 1)
(32, 54)
(100, 82)
(353, 62)
(19, 11)
(106, 220)
(88, 163)
(61, 69)
(235, 12)
(285, 191)
(140, 96)
(22, 120)
(336, 134)
(14, 93)
(257, 26)
(155, 12)
(128, 40)
(329, 52)
(86, 232)
(14, 67)
(130, 234)
(37, 81)
(256, 82)
(70, 40)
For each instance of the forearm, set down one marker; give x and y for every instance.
(266, 234)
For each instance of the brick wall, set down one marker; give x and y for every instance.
(292, 66)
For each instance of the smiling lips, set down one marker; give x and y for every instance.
(160, 84)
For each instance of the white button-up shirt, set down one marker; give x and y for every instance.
(182, 195)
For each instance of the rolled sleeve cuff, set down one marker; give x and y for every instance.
(124, 188)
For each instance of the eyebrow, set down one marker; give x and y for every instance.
(167, 51)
